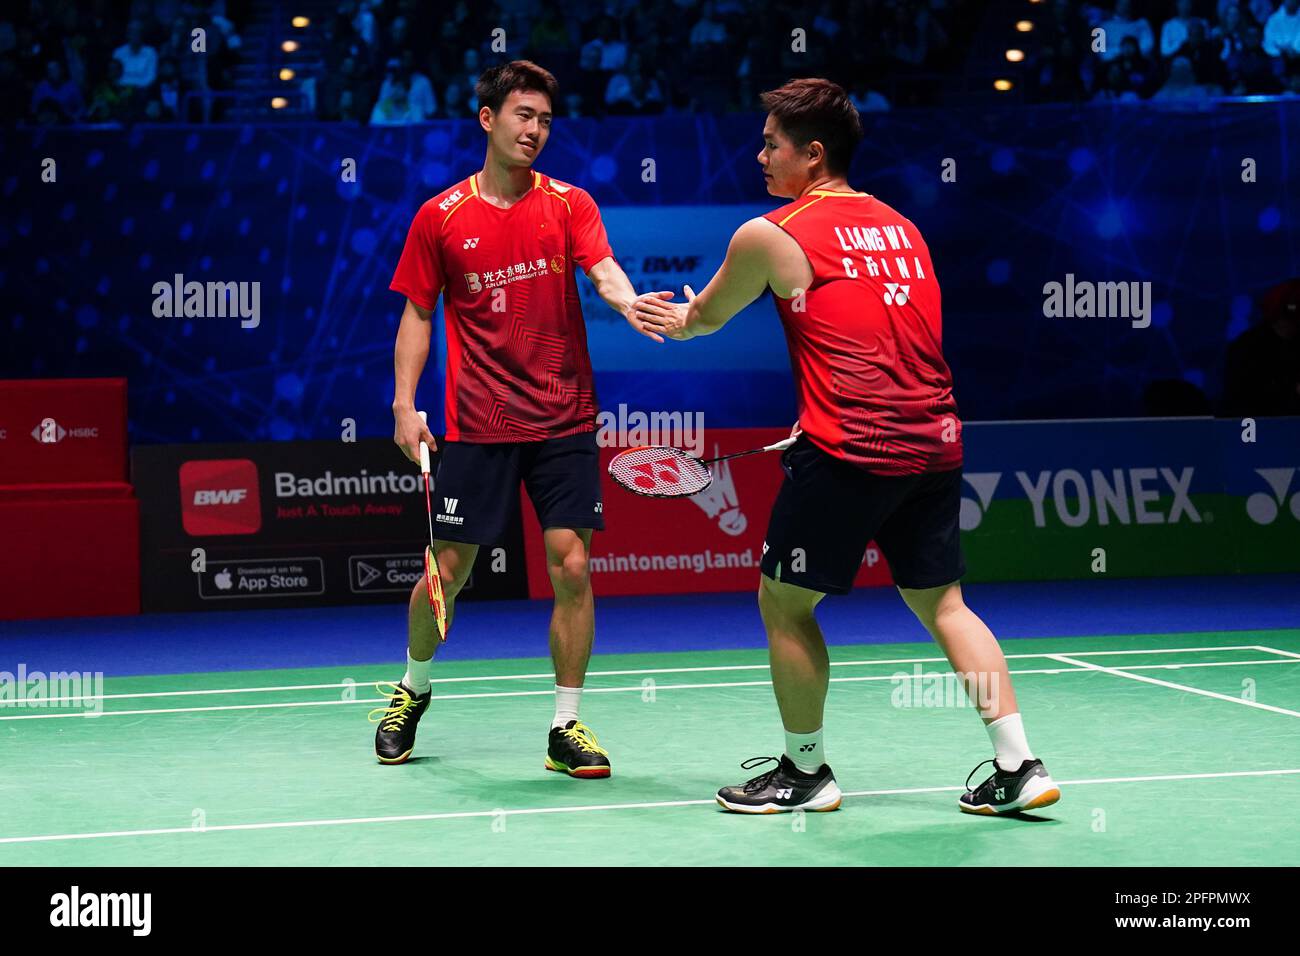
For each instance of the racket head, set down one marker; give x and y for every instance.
(437, 602)
(657, 471)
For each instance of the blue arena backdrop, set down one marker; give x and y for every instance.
(1106, 193)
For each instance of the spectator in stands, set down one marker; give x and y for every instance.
(56, 98)
(139, 61)
(1227, 33)
(419, 92)
(1182, 84)
(169, 91)
(1282, 39)
(111, 102)
(1263, 363)
(867, 100)
(1139, 72)
(1174, 34)
(395, 108)
(630, 90)
(1123, 25)
(1250, 70)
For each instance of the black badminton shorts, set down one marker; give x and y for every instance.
(476, 490)
(828, 511)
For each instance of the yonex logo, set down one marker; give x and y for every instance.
(984, 483)
(784, 794)
(1263, 508)
(449, 505)
(600, 507)
(470, 243)
(1000, 793)
(896, 294)
(807, 748)
(450, 200)
(220, 496)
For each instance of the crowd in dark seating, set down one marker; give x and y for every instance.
(405, 61)
(1164, 51)
(397, 61)
(102, 61)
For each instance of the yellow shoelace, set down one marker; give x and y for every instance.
(400, 705)
(582, 735)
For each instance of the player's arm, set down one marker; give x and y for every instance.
(741, 279)
(615, 288)
(409, 356)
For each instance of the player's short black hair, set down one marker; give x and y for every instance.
(499, 82)
(815, 109)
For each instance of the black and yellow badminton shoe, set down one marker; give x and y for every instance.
(573, 749)
(1029, 787)
(782, 789)
(395, 735)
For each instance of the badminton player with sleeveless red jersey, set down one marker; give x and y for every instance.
(501, 248)
(879, 451)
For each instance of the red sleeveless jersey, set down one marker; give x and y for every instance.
(866, 339)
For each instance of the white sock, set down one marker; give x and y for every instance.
(566, 704)
(417, 674)
(805, 750)
(1010, 747)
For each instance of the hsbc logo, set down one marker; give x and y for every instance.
(50, 432)
(1264, 508)
(896, 294)
(451, 200)
(220, 497)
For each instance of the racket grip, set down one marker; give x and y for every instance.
(781, 445)
(424, 446)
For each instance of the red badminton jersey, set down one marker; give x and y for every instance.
(866, 342)
(517, 362)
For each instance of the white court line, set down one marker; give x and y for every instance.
(549, 675)
(1183, 687)
(1274, 650)
(466, 814)
(375, 701)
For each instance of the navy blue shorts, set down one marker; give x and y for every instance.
(828, 511)
(476, 490)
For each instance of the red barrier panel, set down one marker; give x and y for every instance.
(70, 558)
(62, 430)
(69, 520)
(710, 542)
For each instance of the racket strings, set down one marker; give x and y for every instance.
(660, 472)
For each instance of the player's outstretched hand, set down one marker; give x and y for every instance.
(636, 320)
(409, 430)
(661, 316)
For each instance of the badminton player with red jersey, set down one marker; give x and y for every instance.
(501, 248)
(879, 451)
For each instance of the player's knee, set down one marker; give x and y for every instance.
(570, 574)
(778, 601)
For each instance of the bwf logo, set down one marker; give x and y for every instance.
(74, 909)
(220, 497)
(1263, 508)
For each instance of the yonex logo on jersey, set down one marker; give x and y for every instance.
(896, 294)
(1263, 508)
(600, 507)
(471, 243)
(451, 200)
